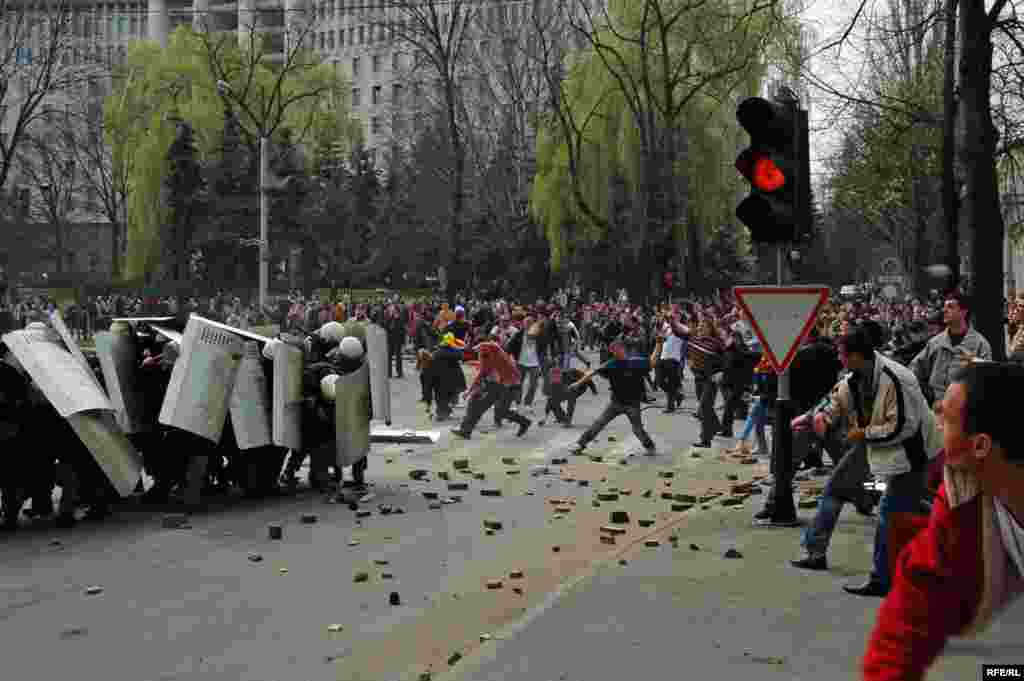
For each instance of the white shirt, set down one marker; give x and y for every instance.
(528, 356)
(1012, 534)
(672, 348)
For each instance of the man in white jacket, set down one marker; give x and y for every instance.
(883, 403)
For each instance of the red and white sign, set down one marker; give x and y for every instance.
(782, 317)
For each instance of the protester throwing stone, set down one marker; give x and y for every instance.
(495, 383)
(626, 377)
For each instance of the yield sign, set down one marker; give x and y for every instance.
(782, 316)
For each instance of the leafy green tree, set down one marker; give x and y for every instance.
(645, 104)
(181, 81)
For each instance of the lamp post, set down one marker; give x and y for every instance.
(224, 90)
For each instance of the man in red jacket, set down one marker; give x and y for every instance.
(496, 379)
(967, 564)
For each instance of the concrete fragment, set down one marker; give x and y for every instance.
(480, 476)
(493, 524)
(255, 558)
(418, 474)
(652, 543)
(619, 517)
(275, 531)
(309, 518)
(732, 476)
(694, 547)
(430, 495)
(335, 628)
(460, 464)
(680, 508)
(613, 529)
(444, 475)
(490, 492)
(509, 460)
(733, 553)
(458, 486)
(434, 506)
(364, 513)
(666, 474)
(93, 590)
(559, 461)
(394, 598)
(607, 539)
(494, 584)
(645, 522)
(731, 501)
(515, 574)
(360, 577)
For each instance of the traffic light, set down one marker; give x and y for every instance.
(775, 168)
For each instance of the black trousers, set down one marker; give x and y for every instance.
(493, 395)
(395, 345)
(669, 375)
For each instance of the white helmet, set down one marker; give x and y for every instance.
(332, 332)
(351, 348)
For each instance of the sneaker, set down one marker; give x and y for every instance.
(651, 451)
(763, 514)
(523, 428)
(458, 433)
(577, 449)
(811, 563)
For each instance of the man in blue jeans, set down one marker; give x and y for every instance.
(887, 413)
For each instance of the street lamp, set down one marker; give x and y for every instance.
(225, 92)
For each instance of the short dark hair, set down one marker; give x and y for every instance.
(876, 331)
(962, 301)
(859, 340)
(987, 409)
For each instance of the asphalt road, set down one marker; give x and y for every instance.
(191, 604)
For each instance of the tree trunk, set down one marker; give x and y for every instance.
(981, 205)
(949, 198)
(115, 259)
(58, 239)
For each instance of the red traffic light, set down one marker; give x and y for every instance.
(761, 171)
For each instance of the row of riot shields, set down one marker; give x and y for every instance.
(220, 371)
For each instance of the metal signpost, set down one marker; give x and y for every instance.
(782, 317)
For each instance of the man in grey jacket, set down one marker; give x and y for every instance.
(883, 403)
(935, 364)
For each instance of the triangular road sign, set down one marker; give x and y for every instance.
(782, 316)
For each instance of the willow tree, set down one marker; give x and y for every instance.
(654, 82)
(298, 98)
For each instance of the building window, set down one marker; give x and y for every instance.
(351, 35)
(375, 95)
(330, 39)
(362, 35)
(376, 63)
(374, 125)
(355, 67)
(396, 94)
(323, 41)
(356, 99)
(341, 38)
(396, 61)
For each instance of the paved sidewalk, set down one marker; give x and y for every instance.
(686, 614)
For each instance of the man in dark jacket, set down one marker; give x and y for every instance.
(396, 321)
(813, 373)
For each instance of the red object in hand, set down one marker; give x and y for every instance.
(800, 423)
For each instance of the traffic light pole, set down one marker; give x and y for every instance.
(783, 510)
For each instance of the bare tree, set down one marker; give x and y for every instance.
(52, 173)
(37, 62)
(438, 35)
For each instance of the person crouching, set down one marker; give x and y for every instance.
(496, 379)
